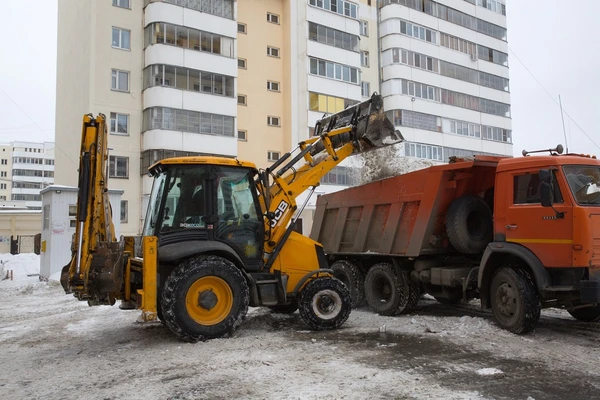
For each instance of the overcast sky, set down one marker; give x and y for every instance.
(553, 39)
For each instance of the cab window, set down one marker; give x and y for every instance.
(526, 189)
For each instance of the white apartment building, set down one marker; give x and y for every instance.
(25, 169)
(163, 73)
(249, 79)
(444, 73)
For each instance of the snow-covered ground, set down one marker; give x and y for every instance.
(54, 347)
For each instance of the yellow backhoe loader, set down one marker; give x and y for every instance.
(218, 234)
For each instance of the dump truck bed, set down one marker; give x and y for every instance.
(402, 215)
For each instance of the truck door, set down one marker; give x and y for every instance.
(543, 230)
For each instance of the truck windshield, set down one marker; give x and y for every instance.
(584, 182)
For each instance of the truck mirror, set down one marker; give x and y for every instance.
(546, 187)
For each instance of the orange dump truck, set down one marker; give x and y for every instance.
(520, 233)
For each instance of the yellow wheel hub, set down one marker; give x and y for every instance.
(209, 300)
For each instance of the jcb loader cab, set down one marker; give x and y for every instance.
(218, 235)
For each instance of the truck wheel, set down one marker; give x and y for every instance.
(587, 314)
(469, 224)
(514, 299)
(387, 291)
(324, 303)
(204, 297)
(285, 308)
(353, 278)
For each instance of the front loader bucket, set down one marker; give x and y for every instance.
(372, 127)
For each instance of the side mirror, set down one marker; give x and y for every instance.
(546, 187)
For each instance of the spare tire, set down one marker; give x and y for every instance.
(469, 224)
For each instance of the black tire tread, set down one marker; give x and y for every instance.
(531, 309)
(399, 299)
(355, 277)
(456, 224)
(305, 303)
(175, 288)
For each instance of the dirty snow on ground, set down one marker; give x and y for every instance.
(54, 347)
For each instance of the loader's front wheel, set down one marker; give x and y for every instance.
(325, 303)
(204, 297)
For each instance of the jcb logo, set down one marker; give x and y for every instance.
(281, 208)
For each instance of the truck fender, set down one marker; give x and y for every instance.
(177, 251)
(496, 255)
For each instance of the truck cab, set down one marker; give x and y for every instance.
(547, 221)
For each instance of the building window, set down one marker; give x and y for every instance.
(187, 121)
(273, 18)
(365, 90)
(3, 174)
(465, 128)
(188, 38)
(332, 37)
(119, 124)
(2, 185)
(242, 63)
(121, 3)
(333, 70)
(273, 155)
(340, 6)
(242, 135)
(273, 86)
(342, 176)
(121, 38)
(124, 211)
(120, 81)
(328, 104)
(496, 134)
(364, 58)
(189, 79)
(241, 28)
(364, 28)
(272, 51)
(273, 121)
(242, 100)
(426, 151)
(118, 167)
(26, 197)
(4, 161)
(419, 90)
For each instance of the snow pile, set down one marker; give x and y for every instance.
(25, 270)
(386, 162)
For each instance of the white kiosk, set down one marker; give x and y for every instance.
(59, 210)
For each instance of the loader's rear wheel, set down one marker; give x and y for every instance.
(325, 303)
(285, 308)
(354, 279)
(204, 297)
(390, 292)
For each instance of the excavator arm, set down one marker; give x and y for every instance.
(357, 129)
(95, 272)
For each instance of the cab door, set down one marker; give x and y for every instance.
(239, 219)
(547, 232)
